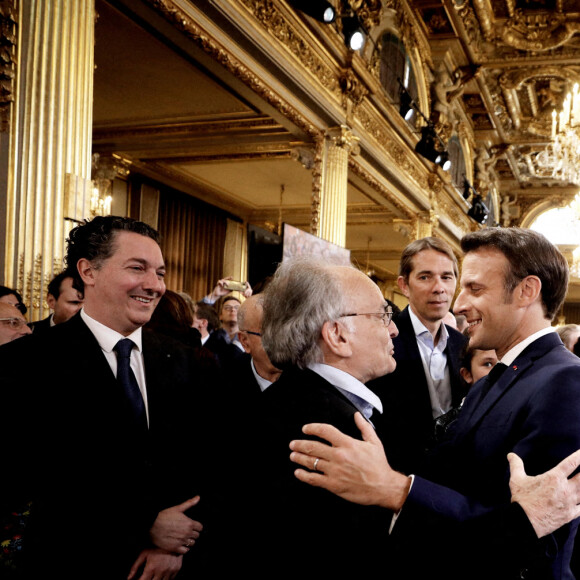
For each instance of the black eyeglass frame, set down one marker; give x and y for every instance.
(251, 332)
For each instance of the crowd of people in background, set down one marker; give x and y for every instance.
(185, 436)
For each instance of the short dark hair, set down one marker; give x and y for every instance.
(172, 316)
(6, 291)
(94, 240)
(528, 253)
(55, 284)
(207, 312)
(428, 243)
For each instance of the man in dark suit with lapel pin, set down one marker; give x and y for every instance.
(426, 383)
(103, 448)
(513, 283)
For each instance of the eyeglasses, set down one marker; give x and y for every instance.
(13, 323)
(251, 332)
(231, 307)
(385, 316)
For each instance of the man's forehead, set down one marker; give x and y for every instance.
(9, 311)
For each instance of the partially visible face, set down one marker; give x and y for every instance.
(251, 342)
(371, 340)
(229, 312)
(124, 291)
(482, 361)
(10, 299)
(69, 302)
(572, 340)
(431, 285)
(493, 320)
(13, 328)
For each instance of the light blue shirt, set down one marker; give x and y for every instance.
(434, 364)
(356, 392)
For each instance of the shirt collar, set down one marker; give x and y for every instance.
(107, 337)
(262, 382)
(422, 332)
(510, 356)
(346, 382)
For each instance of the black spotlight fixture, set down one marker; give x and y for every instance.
(443, 161)
(354, 35)
(478, 210)
(426, 146)
(320, 10)
(406, 108)
(466, 189)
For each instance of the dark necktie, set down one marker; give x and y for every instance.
(126, 378)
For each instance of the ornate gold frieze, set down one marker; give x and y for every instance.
(538, 31)
(269, 16)
(386, 142)
(225, 58)
(8, 22)
(379, 187)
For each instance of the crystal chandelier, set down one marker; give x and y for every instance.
(562, 155)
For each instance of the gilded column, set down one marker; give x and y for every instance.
(339, 144)
(51, 137)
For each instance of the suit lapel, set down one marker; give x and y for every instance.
(473, 412)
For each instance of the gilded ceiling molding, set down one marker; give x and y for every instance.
(513, 79)
(269, 16)
(180, 20)
(369, 12)
(373, 182)
(531, 208)
(199, 128)
(538, 31)
(472, 28)
(8, 36)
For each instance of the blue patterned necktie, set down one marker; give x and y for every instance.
(126, 378)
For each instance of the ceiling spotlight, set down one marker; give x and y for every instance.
(406, 105)
(466, 189)
(354, 35)
(426, 146)
(443, 160)
(320, 10)
(478, 210)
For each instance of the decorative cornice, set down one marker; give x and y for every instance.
(269, 16)
(180, 20)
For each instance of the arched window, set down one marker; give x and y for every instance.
(396, 72)
(457, 171)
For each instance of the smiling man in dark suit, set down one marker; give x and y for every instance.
(513, 283)
(106, 471)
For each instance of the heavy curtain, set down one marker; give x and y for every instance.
(192, 239)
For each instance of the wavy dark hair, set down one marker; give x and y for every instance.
(95, 241)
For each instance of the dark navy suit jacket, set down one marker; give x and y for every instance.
(534, 410)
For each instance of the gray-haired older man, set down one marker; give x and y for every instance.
(329, 329)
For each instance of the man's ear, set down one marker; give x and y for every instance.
(86, 272)
(466, 375)
(336, 339)
(51, 301)
(529, 289)
(403, 286)
(243, 338)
